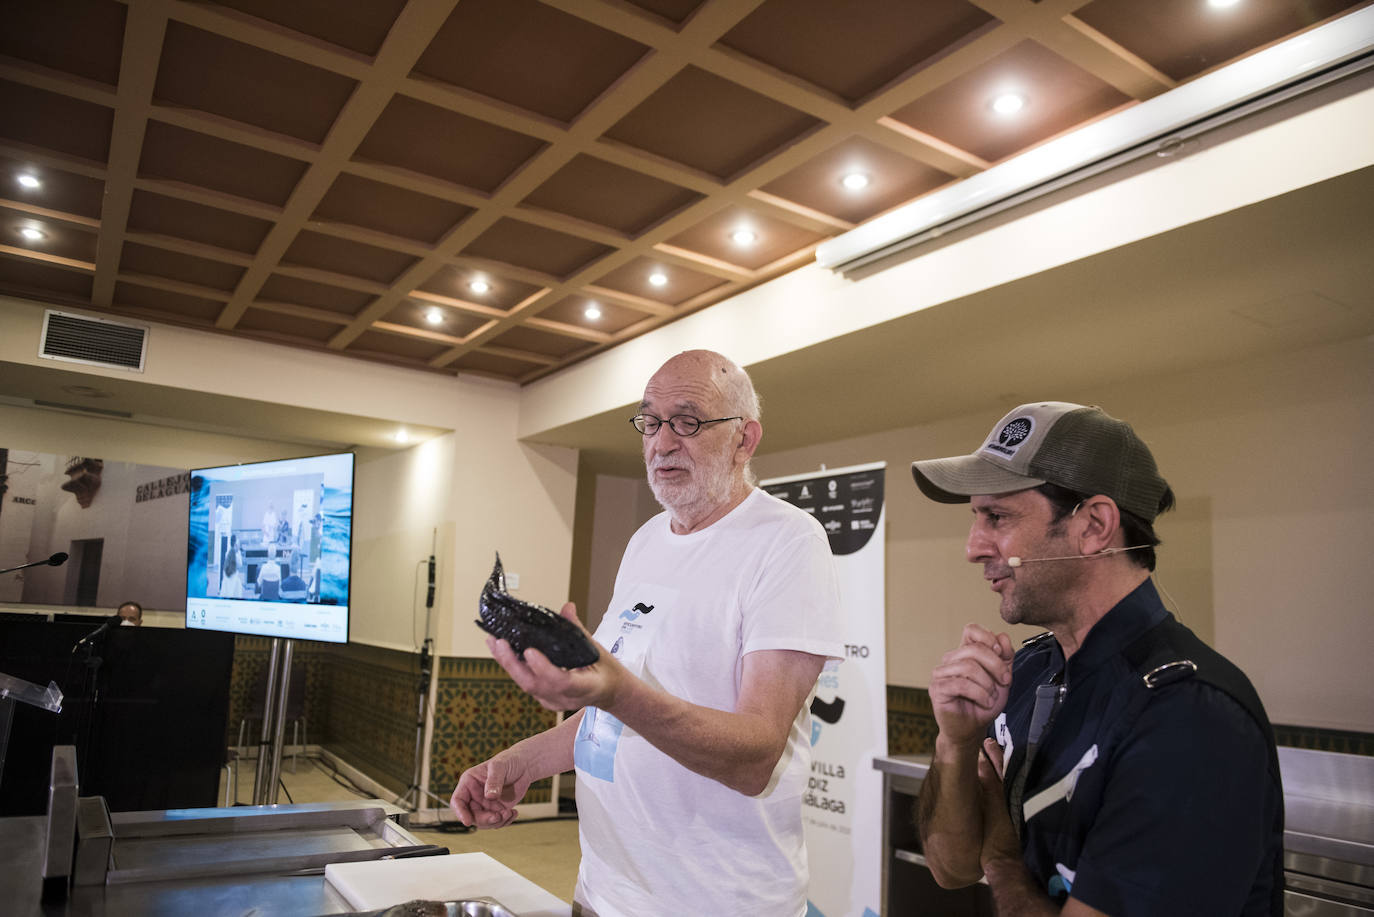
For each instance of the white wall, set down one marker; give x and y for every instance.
(504, 496)
(622, 506)
(1267, 554)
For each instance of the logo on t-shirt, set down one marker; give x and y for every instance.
(631, 615)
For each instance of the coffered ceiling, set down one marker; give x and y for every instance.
(452, 185)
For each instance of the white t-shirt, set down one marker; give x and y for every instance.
(656, 837)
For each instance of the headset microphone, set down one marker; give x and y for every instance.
(1017, 561)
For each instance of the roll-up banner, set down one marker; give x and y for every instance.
(843, 806)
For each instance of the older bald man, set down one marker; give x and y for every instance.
(691, 740)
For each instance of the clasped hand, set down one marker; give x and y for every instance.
(970, 685)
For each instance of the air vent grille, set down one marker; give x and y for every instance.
(95, 341)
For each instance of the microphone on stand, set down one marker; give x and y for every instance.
(1018, 561)
(56, 560)
(111, 621)
(429, 594)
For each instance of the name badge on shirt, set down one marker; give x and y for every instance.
(1003, 734)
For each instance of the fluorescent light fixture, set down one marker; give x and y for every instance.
(1216, 97)
(743, 237)
(592, 312)
(29, 181)
(855, 181)
(658, 279)
(33, 235)
(479, 286)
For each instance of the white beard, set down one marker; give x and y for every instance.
(705, 489)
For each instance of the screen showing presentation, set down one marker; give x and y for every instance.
(269, 546)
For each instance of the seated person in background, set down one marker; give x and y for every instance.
(269, 575)
(231, 582)
(293, 588)
(132, 613)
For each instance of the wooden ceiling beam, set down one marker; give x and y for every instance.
(403, 46)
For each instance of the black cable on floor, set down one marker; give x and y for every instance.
(334, 774)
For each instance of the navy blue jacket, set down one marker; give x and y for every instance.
(1157, 803)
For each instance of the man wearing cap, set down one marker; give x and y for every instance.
(1116, 764)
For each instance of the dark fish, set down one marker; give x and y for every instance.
(523, 625)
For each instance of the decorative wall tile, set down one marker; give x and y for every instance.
(368, 708)
(478, 712)
(1349, 743)
(910, 722)
(911, 729)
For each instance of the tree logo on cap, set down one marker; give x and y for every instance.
(1013, 435)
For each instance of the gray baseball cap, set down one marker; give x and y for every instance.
(1072, 445)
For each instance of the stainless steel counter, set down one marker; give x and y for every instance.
(1328, 837)
(263, 860)
(913, 766)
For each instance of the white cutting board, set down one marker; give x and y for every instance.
(376, 884)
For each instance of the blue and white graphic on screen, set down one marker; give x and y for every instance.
(337, 509)
(198, 541)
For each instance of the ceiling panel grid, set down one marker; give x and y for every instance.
(505, 187)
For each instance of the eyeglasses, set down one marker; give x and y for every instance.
(682, 424)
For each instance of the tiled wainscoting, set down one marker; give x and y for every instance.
(911, 729)
(1350, 743)
(478, 712)
(910, 722)
(360, 702)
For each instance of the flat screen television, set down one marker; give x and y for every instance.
(269, 548)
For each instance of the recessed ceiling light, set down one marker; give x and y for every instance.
(1221, 4)
(401, 436)
(29, 181)
(479, 286)
(855, 181)
(33, 235)
(592, 312)
(435, 316)
(1008, 103)
(658, 279)
(743, 237)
